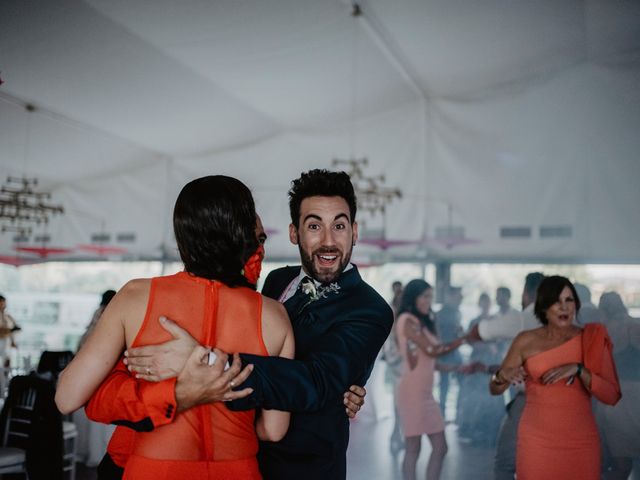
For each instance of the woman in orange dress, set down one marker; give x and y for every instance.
(419, 346)
(214, 299)
(563, 366)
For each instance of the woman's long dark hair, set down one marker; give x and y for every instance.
(214, 221)
(411, 292)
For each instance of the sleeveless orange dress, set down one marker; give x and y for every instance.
(557, 436)
(207, 441)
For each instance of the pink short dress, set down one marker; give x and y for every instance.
(418, 410)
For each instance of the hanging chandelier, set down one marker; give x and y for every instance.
(22, 206)
(373, 196)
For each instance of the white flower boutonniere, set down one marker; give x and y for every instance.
(314, 292)
(309, 288)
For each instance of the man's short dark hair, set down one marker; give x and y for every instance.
(531, 283)
(583, 292)
(321, 183)
(504, 290)
(214, 221)
(2, 298)
(549, 293)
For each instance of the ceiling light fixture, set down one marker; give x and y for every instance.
(22, 206)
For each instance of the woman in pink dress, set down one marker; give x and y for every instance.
(419, 346)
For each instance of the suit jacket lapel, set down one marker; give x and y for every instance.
(345, 282)
(278, 280)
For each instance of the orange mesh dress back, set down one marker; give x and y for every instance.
(207, 441)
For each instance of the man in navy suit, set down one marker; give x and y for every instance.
(340, 324)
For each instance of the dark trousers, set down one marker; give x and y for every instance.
(504, 466)
(107, 470)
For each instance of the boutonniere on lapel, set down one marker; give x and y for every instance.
(314, 293)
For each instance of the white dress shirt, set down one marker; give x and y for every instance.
(293, 285)
(508, 325)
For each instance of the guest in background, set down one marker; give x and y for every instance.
(8, 327)
(507, 327)
(449, 329)
(621, 424)
(480, 414)
(419, 346)
(563, 366)
(391, 356)
(506, 311)
(106, 298)
(588, 313)
(396, 288)
(503, 300)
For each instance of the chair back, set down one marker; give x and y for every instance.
(31, 421)
(19, 418)
(54, 362)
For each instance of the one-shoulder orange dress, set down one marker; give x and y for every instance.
(557, 435)
(207, 441)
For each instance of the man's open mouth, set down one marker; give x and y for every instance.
(326, 259)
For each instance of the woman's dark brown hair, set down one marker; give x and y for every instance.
(214, 221)
(549, 293)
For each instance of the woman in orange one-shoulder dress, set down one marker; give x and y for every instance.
(563, 366)
(214, 299)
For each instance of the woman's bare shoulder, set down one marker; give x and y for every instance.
(273, 306)
(274, 312)
(527, 337)
(408, 317)
(137, 286)
(276, 328)
(134, 294)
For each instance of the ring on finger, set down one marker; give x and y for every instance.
(148, 371)
(232, 384)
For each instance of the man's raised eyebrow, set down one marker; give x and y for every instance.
(313, 216)
(318, 218)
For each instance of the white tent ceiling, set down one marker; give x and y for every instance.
(491, 117)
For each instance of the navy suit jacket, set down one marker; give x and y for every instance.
(338, 338)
